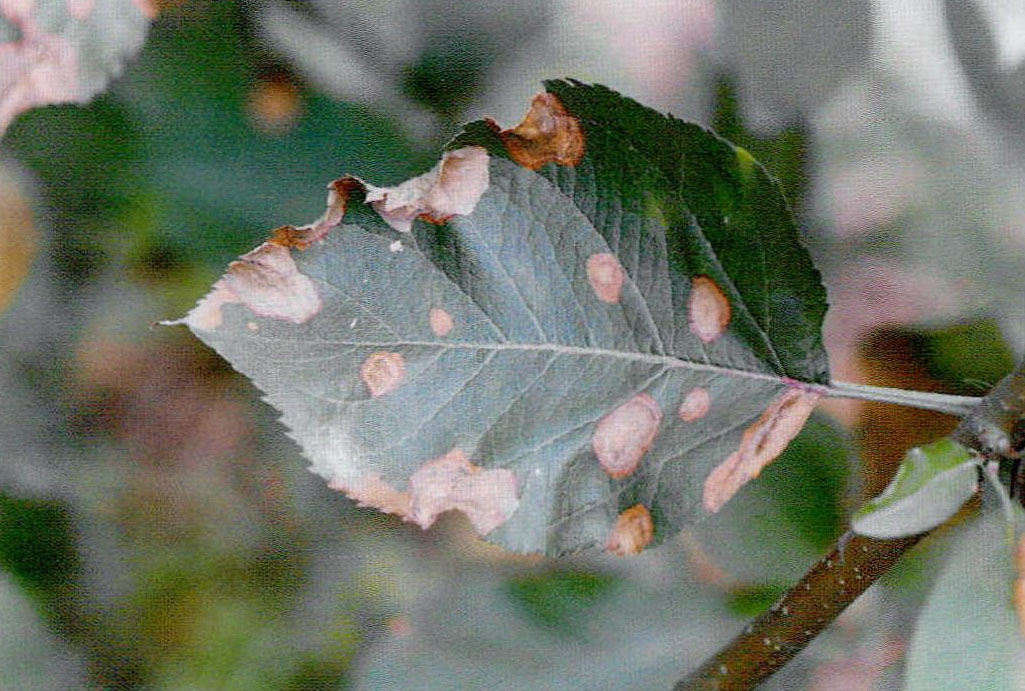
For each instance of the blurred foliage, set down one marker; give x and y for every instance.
(559, 600)
(158, 532)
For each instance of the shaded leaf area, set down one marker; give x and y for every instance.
(52, 51)
(969, 635)
(608, 332)
(721, 213)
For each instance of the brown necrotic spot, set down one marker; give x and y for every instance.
(302, 237)
(695, 405)
(382, 372)
(441, 321)
(606, 276)
(623, 436)
(761, 443)
(547, 134)
(632, 532)
(708, 309)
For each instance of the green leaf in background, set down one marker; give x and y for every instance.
(31, 657)
(61, 51)
(968, 635)
(930, 486)
(484, 632)
(591, 345)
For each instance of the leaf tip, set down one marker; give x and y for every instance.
(207, 315)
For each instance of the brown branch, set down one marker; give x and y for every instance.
(774, 638)
(995, 429)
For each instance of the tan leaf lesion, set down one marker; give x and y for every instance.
(452, 188)
(382, 372)
(708, 309)
(547, 134)
(695, 405)
(372, 491)
(760, 444)
(606, 276)
(267, 281)
(488, 497)
(441, 321)
(623, 436)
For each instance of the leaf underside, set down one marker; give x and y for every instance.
(591, 337)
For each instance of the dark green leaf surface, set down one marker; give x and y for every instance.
(523, 371)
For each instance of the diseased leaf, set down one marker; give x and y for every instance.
(564, 354)
(63, 51)
(967, 636)
(930, 486)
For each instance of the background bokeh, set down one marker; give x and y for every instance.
(158, 531)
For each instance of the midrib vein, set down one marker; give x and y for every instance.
(666, 361)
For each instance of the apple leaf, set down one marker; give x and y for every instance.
(929, 487)
(548, 630)
(969, 634)
(64, 51)
(585, 331)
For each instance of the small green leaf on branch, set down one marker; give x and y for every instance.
(931, 484)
